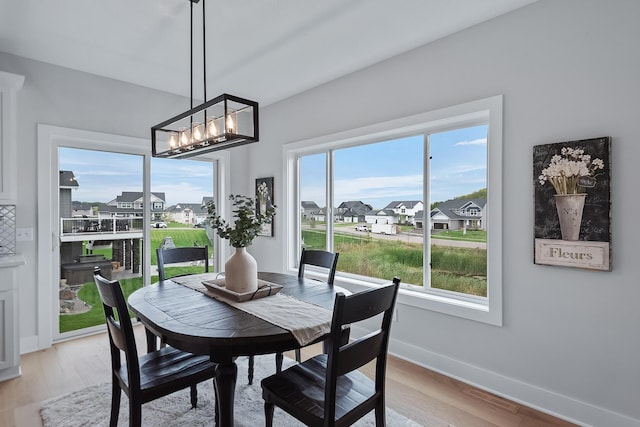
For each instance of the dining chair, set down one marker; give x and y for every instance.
(328, 389)
(152, 375)
(177, 255)
(181, 255)
(318, 258)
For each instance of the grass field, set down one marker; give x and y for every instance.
(454, 269)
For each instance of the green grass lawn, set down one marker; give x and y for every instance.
(456, 269)
(89, 294)
(470, 235)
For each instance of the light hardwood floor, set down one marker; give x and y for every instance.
(422, 395)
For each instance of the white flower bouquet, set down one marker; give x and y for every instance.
(569, 172)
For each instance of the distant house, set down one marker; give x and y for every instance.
(381, 216)
(131, 203)
(187, 213)
(457, 214)
(320, 215)
(308, 209)
(352, 211)
(67, 182)
(82, 209)
(405, 210)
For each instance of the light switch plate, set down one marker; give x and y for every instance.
(24, 234)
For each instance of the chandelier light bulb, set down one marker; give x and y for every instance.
(173, 140)
(212, 129)
(230, 124)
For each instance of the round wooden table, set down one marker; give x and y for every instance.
(192, 321)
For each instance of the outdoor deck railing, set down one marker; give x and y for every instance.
(90, 225)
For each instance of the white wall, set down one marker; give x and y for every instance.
(568, 70)
(57, 96)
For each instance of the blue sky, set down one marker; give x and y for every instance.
(376, 173)
(102, 176)
(383, 172)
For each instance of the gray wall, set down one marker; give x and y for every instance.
(60, 97)
(568, 70)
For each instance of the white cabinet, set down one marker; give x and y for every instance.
(9, 325)
(9, 264)
(9, 85)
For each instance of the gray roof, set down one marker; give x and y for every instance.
(449, 207)
(67, 180)
(309, 205)
(132, 196)
(194, 207)
(406, 203)
(381, 212)
(357, 206)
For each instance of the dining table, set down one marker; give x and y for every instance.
(188, 318)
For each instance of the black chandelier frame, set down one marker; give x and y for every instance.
(223, 122)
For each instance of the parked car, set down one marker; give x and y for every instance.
(362, 227)
(160, 224)
(200, 225)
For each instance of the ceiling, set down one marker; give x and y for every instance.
(265, 50)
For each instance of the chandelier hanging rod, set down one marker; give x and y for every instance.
(227, 121)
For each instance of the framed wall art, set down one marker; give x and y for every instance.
(264, 199)
(573, 204)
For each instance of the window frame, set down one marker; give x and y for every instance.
(483, 111)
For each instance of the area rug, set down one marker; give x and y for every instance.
(91, 406)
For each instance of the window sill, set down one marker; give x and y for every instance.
(471, 308)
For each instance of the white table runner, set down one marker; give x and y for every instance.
(306, 322)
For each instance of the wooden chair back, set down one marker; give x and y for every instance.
(182, 254)
(328, 389)
(121, 336)
(345, 358)
(148, 376)
(325, 259)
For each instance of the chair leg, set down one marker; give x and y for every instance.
(194, 396)
(298, 355)
(251, 361)
(380, 413)
(215, 399)
(268, 414)
(135, 413)
(279, 360)
(116, 392)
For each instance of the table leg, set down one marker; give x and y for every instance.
(225, 377)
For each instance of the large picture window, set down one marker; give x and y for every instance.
(415, 201)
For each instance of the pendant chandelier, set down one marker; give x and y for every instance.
(223, 122)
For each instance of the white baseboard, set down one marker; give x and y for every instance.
(549, 402)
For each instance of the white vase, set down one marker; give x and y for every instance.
(570, 207)
(241, 272)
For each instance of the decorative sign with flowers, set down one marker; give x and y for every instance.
(571, 171)
(572, 203)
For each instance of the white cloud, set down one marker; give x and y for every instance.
(479, 141)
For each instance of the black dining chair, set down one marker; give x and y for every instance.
(328, 389)
(181, 255)
(152, 375)
(317, 258)
(166, 256)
